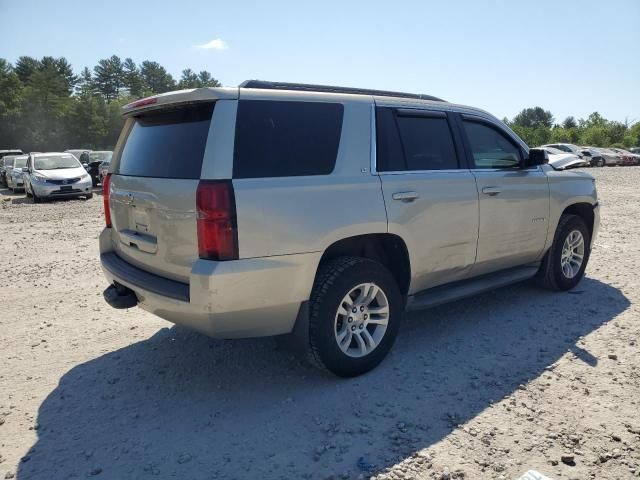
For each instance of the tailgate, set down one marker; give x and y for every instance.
(153, 189)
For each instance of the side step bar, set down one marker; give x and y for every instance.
(467, 288)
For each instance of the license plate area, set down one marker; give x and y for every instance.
(66, 188)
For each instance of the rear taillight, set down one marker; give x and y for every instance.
(105, 196)
(217, 223)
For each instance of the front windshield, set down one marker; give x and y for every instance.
(20, 162)
(56, 162)
(100, 156)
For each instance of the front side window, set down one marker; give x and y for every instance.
(409, 141)
(286, 139)
(491, 148)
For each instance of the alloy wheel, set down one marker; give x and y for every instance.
(361, 320)
(572, 254)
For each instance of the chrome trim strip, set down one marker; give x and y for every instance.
(373, 147)
(414, 172)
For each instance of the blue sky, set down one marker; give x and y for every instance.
(571, 57)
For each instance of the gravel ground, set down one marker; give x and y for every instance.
(486, 388)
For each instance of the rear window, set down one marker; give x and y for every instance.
(167, 144)
(285, 139)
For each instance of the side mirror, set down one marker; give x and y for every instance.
(85, 165)
(25, 169)
(537, 156)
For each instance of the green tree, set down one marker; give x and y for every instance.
(569, 122)
(132, 79)
(45, 102)
(533, 118)
(109, 77)
(155, 78)
(189, 79)
(10, 103)
(25, 66)
(86, 85)
(205, 79)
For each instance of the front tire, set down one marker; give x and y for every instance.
(355, 312)
(564, 264)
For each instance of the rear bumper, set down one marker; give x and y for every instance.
(234, 299)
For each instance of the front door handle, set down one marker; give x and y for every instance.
(405, 196)
(491, 190)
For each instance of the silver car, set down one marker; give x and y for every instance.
(15, 175)
(56, 175)
(326, 212)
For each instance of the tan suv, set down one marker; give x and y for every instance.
(325, 212)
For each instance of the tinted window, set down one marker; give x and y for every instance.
(491, 148)
(427, 143)
(167, 144)
(406, 142)
(283, 139)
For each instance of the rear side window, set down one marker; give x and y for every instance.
(409, 141)
(491, 148)
(167, 144)
(286, 139)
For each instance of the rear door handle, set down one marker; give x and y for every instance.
(405, 196)
(491, 190)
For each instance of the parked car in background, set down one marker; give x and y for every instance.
(611, 158)
(96, 159)
(635, 150)
(15, 175)
(628, 158)
(325, 212)
(78, 153)
(594, 157)
(56, 175)
(7, 165)
(561, 160)
(566, 147)
(104, 170)
(3, 154)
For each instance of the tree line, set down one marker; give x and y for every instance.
(45, 106)
(537, 126)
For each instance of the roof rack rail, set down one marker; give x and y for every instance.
(304, 87)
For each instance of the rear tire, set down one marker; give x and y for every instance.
(355, 311)
(564, 264)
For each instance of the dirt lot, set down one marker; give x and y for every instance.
(487, 388)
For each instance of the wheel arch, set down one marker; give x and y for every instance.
(386, 248)
(583, 210)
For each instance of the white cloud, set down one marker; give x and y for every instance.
(215, 44)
